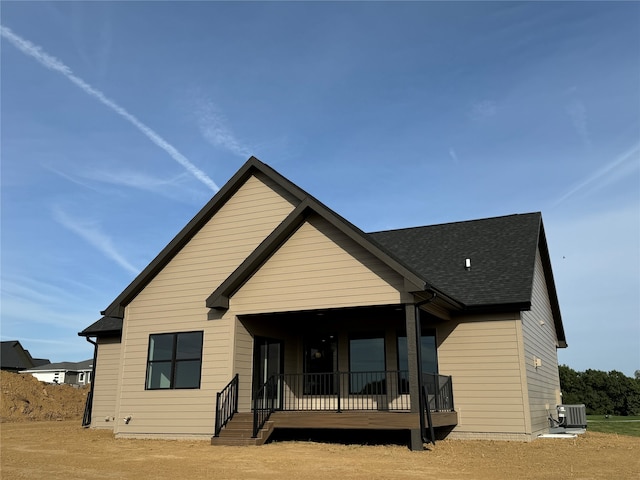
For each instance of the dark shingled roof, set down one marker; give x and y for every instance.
(502, 251)
(15, 358)
(106, 326)
(68, 366)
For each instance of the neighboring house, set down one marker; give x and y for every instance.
(73, 373)
(270, 304)
(14, 357)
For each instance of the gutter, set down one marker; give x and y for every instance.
(86, 418)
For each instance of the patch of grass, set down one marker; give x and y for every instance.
(620, 425)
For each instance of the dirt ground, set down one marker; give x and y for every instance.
(24, 399)
(60, 450)
(64, 450)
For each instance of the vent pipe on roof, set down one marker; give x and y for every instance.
(467, 264)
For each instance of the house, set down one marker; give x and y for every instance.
(269, 310)
(72, 373)
(14, 357)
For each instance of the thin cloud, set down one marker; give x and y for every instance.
(213, 127)
(71, 178)
(90, 232)
(133, 179)
(614, 170)
(28, 300)
(482, 110)
(45, 341)
(56, 65)
(453, 155)
(102, 181)
(176, 188)
(578, 113)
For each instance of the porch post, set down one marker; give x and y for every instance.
(413, 358)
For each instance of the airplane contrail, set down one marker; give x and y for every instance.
(56, 65)
(633, 153)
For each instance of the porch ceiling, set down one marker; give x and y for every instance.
(330, 319)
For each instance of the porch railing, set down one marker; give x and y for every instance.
(439, 392)
(265, 402)
(337, 391)
(226, 404)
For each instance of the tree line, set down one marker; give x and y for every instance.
(603, 393)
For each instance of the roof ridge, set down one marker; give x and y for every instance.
(459, 222)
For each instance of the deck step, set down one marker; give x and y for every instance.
(239, 431)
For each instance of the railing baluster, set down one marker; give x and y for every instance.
(226, 405)
(340, 391)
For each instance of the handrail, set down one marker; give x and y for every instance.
(265, 403)
(226, 404)
(440, 392)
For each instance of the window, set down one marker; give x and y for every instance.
(81, 377)
(320, 363)
(174, 360)
(367, 364)
(429, 356)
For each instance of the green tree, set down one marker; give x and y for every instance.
(601, 392)
(571, 385)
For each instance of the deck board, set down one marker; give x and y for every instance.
(358, 420)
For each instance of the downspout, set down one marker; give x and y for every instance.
(422, 406)
(86, 419)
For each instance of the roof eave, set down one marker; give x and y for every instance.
(100, 333)
(551, 287)
(116, 308)
(496, 307)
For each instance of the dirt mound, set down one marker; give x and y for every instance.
(24, 398)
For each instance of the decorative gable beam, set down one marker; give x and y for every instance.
(219, 299)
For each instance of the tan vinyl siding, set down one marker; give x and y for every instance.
(243, 365)
(103, 412)
(540, 342)
(483, 356)
(318, 267)
(174, 301)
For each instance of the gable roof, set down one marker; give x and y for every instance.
(104, 327)
(251, 166)
(63, 366)
(415, 282)
(502, 252)
(14, 357)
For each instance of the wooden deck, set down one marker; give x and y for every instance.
(239, 430)
(359, 420)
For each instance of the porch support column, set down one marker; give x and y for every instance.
(413, 357)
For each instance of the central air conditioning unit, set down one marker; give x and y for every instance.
(572, 416)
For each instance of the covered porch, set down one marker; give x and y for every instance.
(339, 369)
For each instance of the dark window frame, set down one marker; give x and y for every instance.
(403, 386)
(173, 361)
(320, 383)
(368, 336)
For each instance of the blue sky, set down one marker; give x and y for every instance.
(119, 120)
